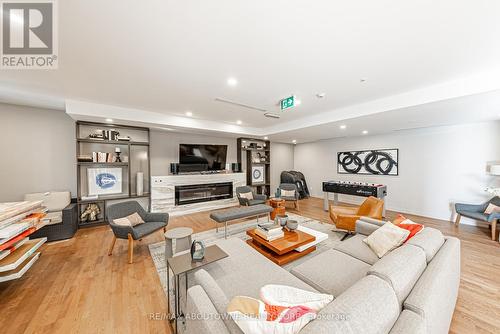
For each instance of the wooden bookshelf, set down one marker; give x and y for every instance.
(248, 150)
(135, 155)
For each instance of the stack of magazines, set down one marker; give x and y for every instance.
(269, 231)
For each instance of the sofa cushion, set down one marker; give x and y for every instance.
(386, 238)
(401, 269)
(355, 247)
(248, 195)
(217, 297)
(369, 307)
(409, 323)
(429, 240)
(198, 303)
(434, 295)
(53, 218)
(331, 272)
(54, 201)
(245, 271)
(240, 212)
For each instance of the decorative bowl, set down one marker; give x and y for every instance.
(281, 220)
(292, 225)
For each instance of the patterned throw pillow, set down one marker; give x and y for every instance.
(248, 195)
(287, 193)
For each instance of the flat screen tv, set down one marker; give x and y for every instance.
(200, 157)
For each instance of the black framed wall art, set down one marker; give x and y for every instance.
(369, 162)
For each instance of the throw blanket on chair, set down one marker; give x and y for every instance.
(283, 310)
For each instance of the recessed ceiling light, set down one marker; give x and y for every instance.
(109, 120)
(365, 132)
(320, 95)
(239, 122)
(266, 138)
(294, 141)
(232, 82)
(189, 113)
(343, 127)
(362, 80)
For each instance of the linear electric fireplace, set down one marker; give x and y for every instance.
(195, 193)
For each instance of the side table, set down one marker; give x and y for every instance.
(182, 237)
(278, 206)
(183, 264)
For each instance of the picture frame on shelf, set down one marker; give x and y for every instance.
(104, 181)
(258, 175)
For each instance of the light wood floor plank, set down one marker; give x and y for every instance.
(75, 287)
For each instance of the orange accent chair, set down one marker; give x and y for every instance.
(345, 217)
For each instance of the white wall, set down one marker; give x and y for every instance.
(437, 166)
(281, 159)
(37, 150)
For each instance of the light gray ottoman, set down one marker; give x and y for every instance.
(224, 216)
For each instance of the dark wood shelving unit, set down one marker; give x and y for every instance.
(130, 148)
(248, 154)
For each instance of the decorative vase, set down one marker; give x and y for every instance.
(140, 184)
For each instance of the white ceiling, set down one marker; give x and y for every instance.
(150, 61)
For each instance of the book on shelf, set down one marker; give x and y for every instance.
(89, 198)
(103, 157)
(84, 158)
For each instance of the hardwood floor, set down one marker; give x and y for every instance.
(75, 287)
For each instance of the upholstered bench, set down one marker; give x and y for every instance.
(224, 216)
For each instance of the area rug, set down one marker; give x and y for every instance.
(210, 237)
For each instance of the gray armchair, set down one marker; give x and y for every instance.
(152, 223)
(257, 198)
(289, 187)
(477, 212)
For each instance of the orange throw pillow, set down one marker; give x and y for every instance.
(413, 228)
(409, 225)
(399, 219)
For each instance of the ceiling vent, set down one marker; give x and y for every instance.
(271, 115)
(234, 103)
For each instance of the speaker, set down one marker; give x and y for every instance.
(236, 167)
(174, 168)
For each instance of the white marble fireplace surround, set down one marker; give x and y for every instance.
(163, 192)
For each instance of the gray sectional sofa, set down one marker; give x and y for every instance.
(412, 289)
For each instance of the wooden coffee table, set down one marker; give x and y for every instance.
(282, 251)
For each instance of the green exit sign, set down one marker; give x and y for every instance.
(287, 103)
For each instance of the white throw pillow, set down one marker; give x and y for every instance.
(122, 222)
(492, 208)
(135, 219)
(287, 193)
(248, 195)
(386, 238)
(132, 220)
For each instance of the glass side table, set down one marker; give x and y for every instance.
(182, 265)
